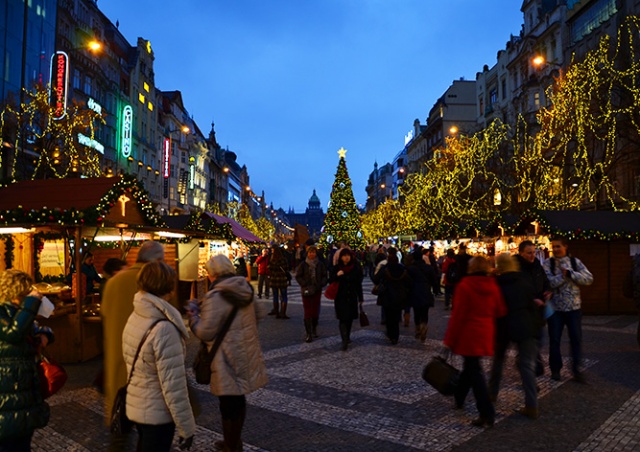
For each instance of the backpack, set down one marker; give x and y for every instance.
(552, 264)
(452, 274)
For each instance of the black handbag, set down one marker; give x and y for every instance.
(364, 320)
(441, 375)
(204, 358)
(120, 423)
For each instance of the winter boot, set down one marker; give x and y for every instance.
(307, 328)
(283, 311)
(314, 325)
(424, 329)
(344, 334)
(275, 310)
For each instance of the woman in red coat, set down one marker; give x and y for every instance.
(477, 303)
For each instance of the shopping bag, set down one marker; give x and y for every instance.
(332, 290)
(441, 375)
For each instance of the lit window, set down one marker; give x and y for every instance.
(145, 86)
(141, 98)
(150, 106)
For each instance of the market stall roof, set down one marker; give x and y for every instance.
(88, 201)
(238, 230)
(63, 194)
(607, 222)
(187, 223)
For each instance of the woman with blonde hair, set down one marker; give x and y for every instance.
(477, 303)
(22, 407)
(238, 366)
(157, 397)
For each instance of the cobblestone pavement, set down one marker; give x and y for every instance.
(371, 398)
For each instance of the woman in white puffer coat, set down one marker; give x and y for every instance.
(238, 367)
(157, 397)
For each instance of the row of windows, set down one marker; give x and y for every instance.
(592, 18)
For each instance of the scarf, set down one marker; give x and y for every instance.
(312, 267)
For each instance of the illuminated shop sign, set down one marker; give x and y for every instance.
(192, 173)
(59, 82)
(95, 106)
(90, 142)
(166, 158)
(127, 127)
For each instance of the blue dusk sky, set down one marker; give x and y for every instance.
(289, 82)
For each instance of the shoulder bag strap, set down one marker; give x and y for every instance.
(223, 332)
(144, 338)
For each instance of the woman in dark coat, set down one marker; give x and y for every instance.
(520, 326)
(22, 408)
(349, 276)
(311, 274)
(278, 281)
(394, 296)
(423, 279)
(477, 302)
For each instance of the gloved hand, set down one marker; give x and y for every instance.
(185, 443)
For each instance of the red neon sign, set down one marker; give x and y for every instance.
(59, 82)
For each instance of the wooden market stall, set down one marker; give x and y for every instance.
(47, 225)
(605, 241)
(210, 234)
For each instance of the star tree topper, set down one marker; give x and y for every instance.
(342, 153)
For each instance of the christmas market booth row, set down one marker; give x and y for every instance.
(47, 226)
(605, 241)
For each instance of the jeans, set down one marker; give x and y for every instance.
(279, 294)
(556, 323)
(155, 438)
(448, 296)
(471, 377)
(263, 280)
(527, 350)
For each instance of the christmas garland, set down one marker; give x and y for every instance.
(127, 185)
(8, 251)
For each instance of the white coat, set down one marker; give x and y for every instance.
(238, 367)
(157, 393)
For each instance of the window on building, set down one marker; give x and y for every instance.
(493, 96)
(536, 100)
(503, 88)
(591, 18)
(183, 157)
(87, 85)
(76, 79)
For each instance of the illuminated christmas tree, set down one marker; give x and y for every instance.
(342, 221)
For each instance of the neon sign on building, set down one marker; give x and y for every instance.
(166, 158)
(59, 82)
(127, 128)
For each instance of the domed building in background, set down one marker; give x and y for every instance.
(312, 218)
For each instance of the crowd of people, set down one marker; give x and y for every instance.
(493, 304)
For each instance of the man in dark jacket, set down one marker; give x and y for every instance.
(532, 268)
(520, 325)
